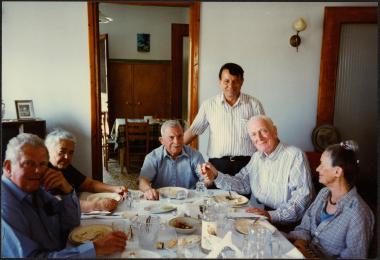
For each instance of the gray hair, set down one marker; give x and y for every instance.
(14, 147)
(261, 117)
(170, 124)
(58, 134)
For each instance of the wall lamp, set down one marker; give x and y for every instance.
(299, 25)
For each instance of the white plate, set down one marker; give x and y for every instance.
(171, 192)
(158, 208)
(104, 195)
(140, 254)
(83, 234)
(237, 200)
(192, 223)
(241, 225)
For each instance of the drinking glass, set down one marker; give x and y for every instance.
(200, 186)
(149, 227)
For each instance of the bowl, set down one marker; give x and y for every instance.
(184, 225)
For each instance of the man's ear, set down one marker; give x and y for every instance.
(8, 168)
(160, 139)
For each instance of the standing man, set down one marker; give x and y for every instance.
(229, 146)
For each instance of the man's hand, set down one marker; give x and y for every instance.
(259, 211)
(106, 204)
(151, 194)
(110, 243)
(53, 179)
(209, 172)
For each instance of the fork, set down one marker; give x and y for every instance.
(147, 222)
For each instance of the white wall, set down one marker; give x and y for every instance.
(130, 20)
(45, 58)
(256, 36)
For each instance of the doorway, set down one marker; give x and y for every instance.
(194, 14)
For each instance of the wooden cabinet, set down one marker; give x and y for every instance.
(139, 88)
(13, 127)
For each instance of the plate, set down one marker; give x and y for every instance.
(171, 192)
(189, 240)
(83, 234)
(237, 200)
(241, 225)
(104, 195)
(131, 216)
(184, 225)
(140, 254)
(158, 208)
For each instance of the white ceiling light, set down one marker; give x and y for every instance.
(103, 18)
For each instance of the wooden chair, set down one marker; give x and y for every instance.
(105, 137)
(137, 138)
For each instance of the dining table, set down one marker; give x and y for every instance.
(188, 206)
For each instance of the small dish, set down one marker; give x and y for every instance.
(174, 192)
(157, 208)
(184, 225)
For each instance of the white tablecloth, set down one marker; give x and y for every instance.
(190, 207)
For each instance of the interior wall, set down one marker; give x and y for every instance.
(128, 20)
(256, 36)
(45, 58)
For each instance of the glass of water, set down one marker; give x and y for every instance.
(200, 186)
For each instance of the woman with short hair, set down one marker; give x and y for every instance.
(338, 223)
(61, 145)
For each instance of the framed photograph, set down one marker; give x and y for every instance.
(143, 42)
(24, 109)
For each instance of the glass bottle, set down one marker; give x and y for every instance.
(209, 228)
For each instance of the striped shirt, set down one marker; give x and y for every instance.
(228, 125)
(280, 181)
(346, 235)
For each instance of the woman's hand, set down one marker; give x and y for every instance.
(303, 247)
(151, 194)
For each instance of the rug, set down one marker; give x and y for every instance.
(113, 176)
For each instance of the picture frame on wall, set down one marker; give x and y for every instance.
(143, 42)
(24, 109)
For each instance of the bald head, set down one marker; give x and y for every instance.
(263, 133)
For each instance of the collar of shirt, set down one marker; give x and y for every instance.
(183, 153)
(17, 192)
(273, 155)
(343, 202)
(241, 99)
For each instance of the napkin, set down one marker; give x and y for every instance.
(294, 253)
(219, 244)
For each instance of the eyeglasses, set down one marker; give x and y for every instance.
(30, 164)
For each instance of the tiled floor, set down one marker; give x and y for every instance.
(113, 176)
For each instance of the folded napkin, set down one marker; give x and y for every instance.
(219, 244)
(294, 253)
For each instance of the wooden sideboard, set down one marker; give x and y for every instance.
(12, 127)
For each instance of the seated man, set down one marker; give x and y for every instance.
(171, 164)
(278, 175)
(35, 223)
(61, 145)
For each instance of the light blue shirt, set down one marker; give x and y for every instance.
(30, 231)
(163, 171)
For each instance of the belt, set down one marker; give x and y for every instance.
(234, 158)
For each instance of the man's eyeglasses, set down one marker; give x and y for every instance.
(30, 164)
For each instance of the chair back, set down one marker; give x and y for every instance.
(137, 138)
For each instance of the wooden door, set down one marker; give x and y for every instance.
(152, 90)
(120, 90)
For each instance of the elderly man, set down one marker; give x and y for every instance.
(35, 223)
(171, 164)
(278, 175)
(61, 145)
(226, 115)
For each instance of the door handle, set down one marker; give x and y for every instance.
(138, 103)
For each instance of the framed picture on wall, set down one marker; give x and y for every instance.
(24, 109)
(143, 42)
